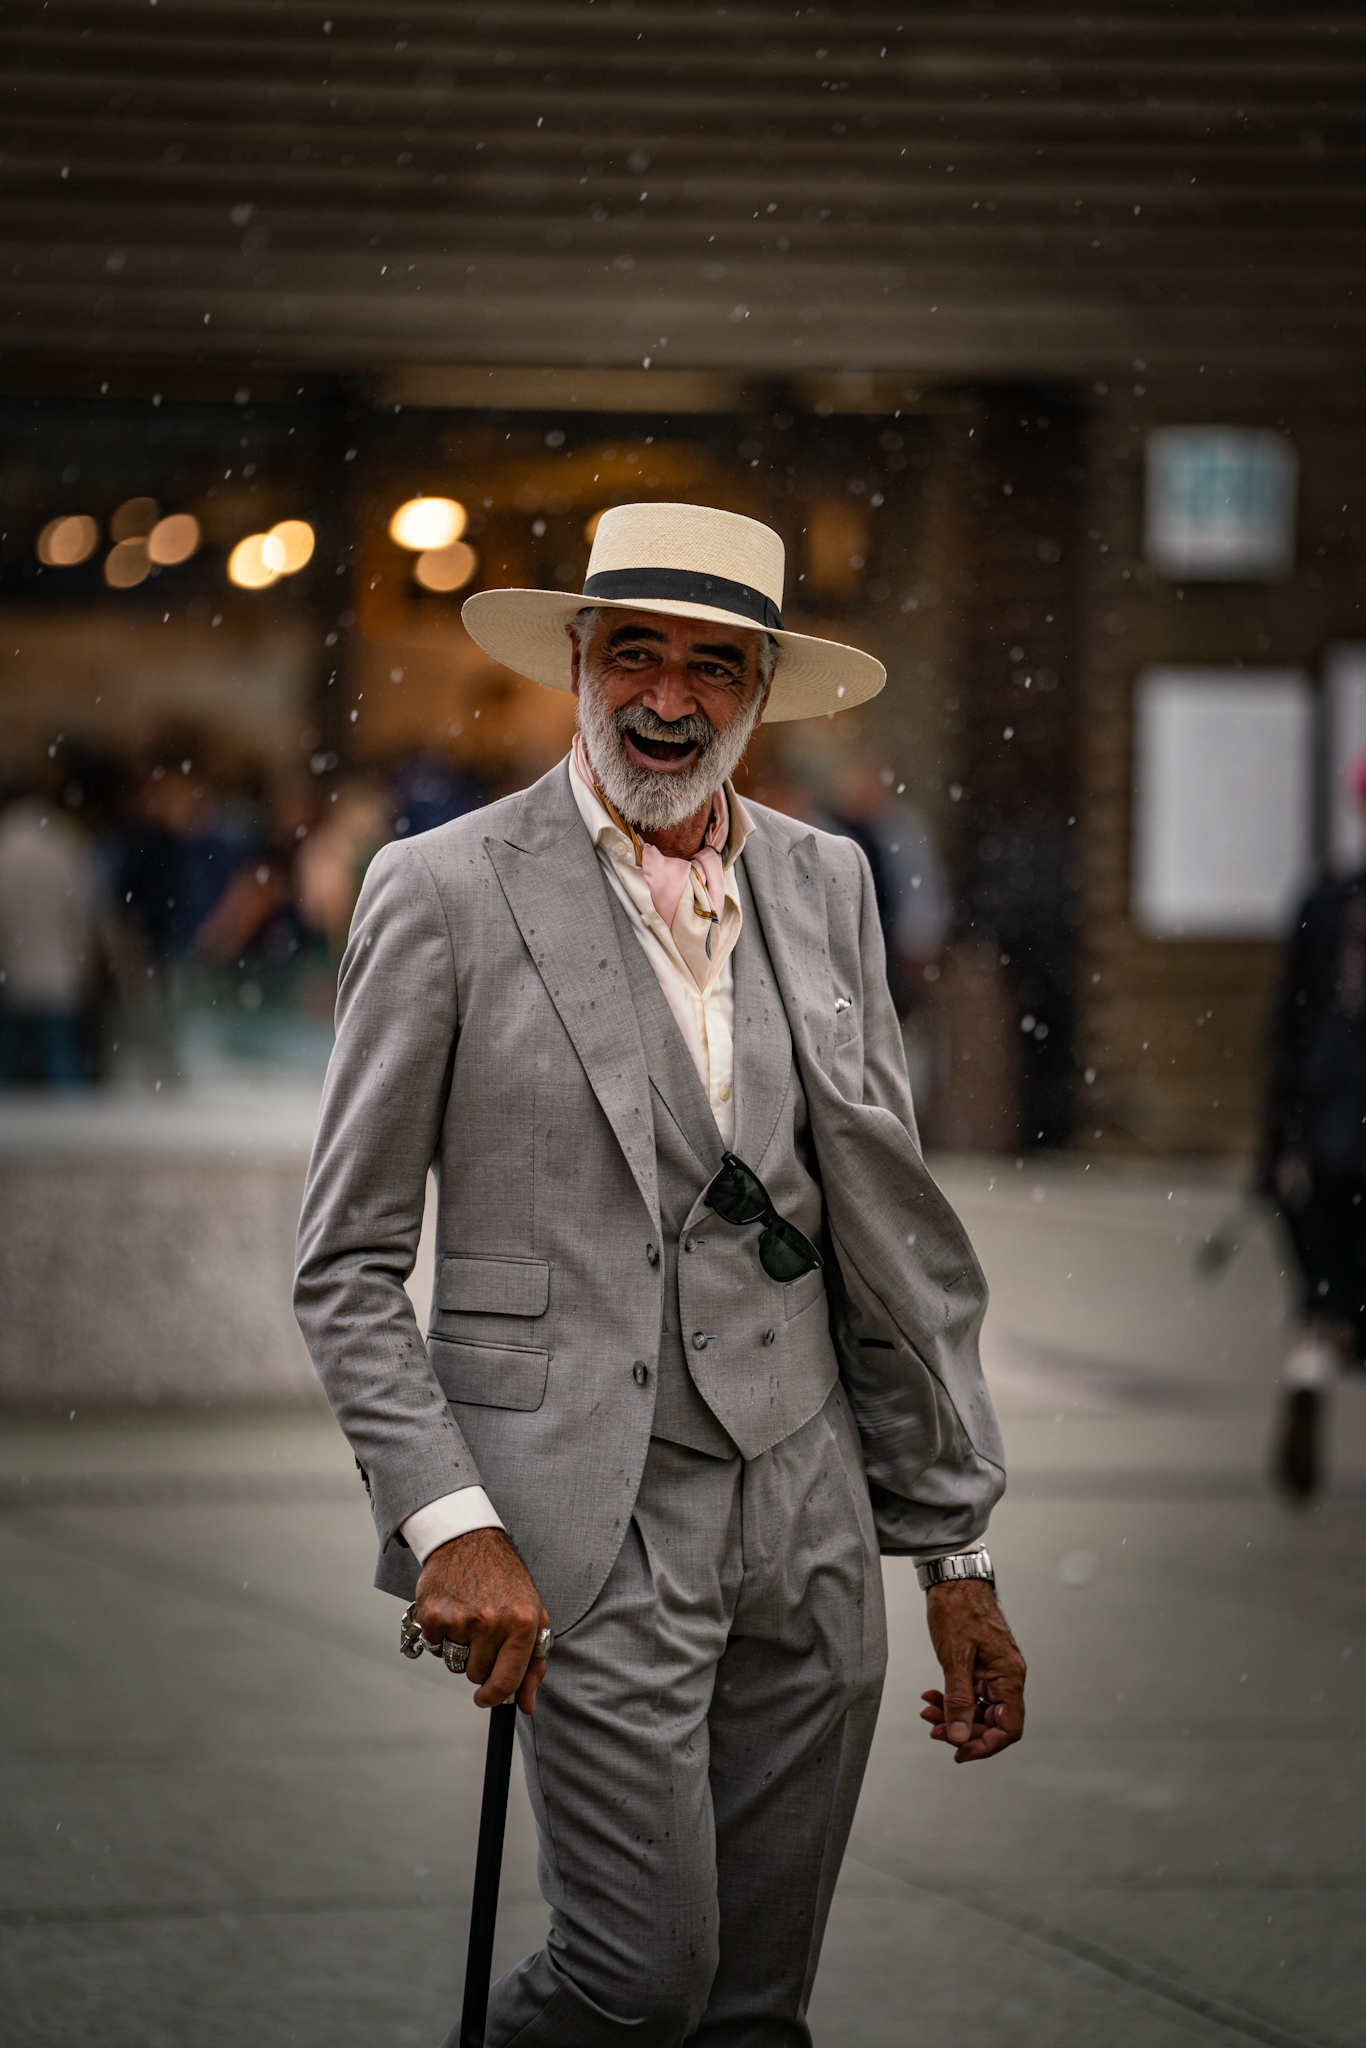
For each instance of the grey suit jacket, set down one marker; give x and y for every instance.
(485, 1029)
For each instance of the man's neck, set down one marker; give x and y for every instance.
(683, 840)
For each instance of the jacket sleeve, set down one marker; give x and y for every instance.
(931, 1443)
(382, 1108)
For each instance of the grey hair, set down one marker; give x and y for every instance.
(584, 625)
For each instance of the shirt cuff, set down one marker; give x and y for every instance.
(455, 1514)
(919, 1557)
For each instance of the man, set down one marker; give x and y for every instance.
(1314, 1154)
(704, 1331)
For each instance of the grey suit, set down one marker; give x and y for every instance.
(497, 1020)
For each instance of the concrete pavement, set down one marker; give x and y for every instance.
(235, 1815)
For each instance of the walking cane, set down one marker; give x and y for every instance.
(493, 1813)
(488, 1868)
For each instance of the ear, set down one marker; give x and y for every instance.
(573, 660)
(763, 704)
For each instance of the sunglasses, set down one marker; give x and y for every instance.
(739, 1196)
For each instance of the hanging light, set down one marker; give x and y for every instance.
(65, 542)
(423, 524)
(448, 568)
(173, 540)
(256, 562)
(296, 540)
(127, 564)
(134, 519)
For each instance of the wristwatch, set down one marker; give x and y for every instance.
(968, 1564)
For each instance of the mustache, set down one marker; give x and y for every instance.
(692, 730)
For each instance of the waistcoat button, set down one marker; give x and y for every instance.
(652, 1255)
(770, 1336)
(699, 1340)
(640, 1372)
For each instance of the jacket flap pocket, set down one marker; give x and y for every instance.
(494, 1287)
(490, 1375)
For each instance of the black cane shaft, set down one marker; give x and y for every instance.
(488, 1868)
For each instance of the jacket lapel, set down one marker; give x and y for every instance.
(549, 872)
(788, 891)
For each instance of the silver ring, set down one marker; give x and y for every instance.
(544, 1638)
(410, 1633)
(412, 1642)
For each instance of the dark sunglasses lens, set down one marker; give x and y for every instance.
(784, 1253)
(735, 1194)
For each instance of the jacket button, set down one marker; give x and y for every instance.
(699, 1340)
(640, 1372)
(770, 1336)
(652, 1255)
(690, 1244)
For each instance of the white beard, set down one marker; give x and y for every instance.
(654, 800)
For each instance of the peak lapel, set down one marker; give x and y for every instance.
(549, 872)
(789, 894)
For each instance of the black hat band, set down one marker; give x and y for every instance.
(685, 586)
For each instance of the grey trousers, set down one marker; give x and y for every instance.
(696, 1754)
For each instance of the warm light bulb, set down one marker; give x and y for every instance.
(250, 565)
(174, 539)
(65, 542)
(127, 564)
(134, 519)
(425, 523)
(590, 527)
(448, 568)
(296, 540)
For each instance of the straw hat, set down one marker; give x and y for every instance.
(690, 562)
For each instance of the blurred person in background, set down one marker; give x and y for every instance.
(332, 860)
(254, 928)
(1315, 1155)
(914, 905)
(429, 789)
(185, 830)
(56, 931)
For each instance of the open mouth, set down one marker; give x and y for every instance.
(661, 753)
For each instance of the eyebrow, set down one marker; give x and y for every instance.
(715, 650)
(625, 633)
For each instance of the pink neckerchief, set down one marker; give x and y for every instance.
(669, 877)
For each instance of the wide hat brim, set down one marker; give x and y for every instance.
(525, 631)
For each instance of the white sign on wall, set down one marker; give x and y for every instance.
(1223, 801)
(1346, 688)
(1219, 504)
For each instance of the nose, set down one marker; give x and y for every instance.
(669, 692)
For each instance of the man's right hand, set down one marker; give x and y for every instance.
(476, 1590)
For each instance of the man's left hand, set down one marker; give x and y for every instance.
(981, 1709)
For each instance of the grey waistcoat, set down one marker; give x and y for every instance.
(729, 1333)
